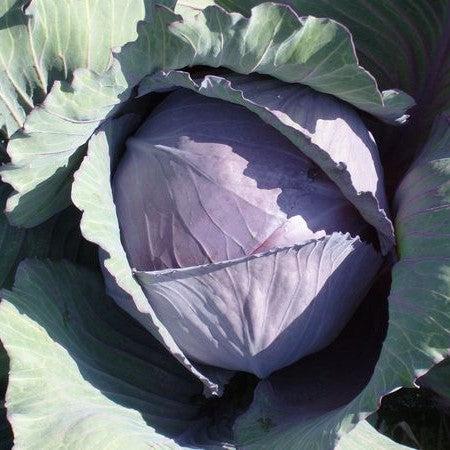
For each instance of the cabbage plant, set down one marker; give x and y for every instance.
(226, 223)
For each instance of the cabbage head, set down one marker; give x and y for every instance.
(225, 223)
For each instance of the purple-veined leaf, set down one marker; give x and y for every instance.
(205, 180)
(264, 312)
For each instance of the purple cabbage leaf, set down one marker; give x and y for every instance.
(238, 239)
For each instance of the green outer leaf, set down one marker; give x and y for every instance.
(396, 41)
(56, 130)
(315, 52)
(418, 335)
(92, 194)
(423, 198)
(52, 38)
(275, 41)
(365, 436)
(84, 375)
(58, 237)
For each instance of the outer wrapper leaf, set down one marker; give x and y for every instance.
(58, 128)
(97, 379)
(46, 40)
(275, 41)
(404, 44)
(264, 312)
(59, 237)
